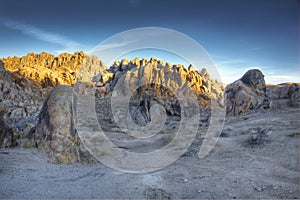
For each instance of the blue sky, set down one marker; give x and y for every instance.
(237, 34)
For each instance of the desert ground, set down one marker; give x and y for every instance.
(256, 157)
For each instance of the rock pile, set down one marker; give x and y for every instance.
(49, 70)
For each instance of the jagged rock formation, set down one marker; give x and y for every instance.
(152, 81)
(247, 94)
(49, 70)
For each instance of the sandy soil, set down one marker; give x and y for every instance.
(256, 157)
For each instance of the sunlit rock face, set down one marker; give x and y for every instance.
(247, 94)
(48, 70)
(153, 81)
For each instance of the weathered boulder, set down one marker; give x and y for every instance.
(56, 132)
(294, 94)
(247, 94)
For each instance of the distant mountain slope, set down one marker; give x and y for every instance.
(49, 70)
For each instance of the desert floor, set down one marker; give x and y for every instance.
(256, 157)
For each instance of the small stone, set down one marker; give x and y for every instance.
(259, 189)
(20, 105)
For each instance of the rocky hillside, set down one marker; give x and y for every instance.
(48, 70)
(152, 81)
(29, 119)
(20, 104)
(134, 73)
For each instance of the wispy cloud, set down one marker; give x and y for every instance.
(103, 47)
(66, 43)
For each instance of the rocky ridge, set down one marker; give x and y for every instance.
(135, 73)
(153, 81)
(29, 119)
(48, 70)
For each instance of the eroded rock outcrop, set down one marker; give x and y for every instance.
(49, 70)
(152, 81)
(19, 108)
(247, 94)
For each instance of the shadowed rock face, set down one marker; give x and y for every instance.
(48, 70)
(7, 93)
(246, 94)
(15, 119)
(254, 78)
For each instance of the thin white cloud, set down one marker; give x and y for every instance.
(230, 61)
(66, 43)
(103, 47)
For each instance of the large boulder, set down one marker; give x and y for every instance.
(247, 94)
(294, 94)
(56, 132)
